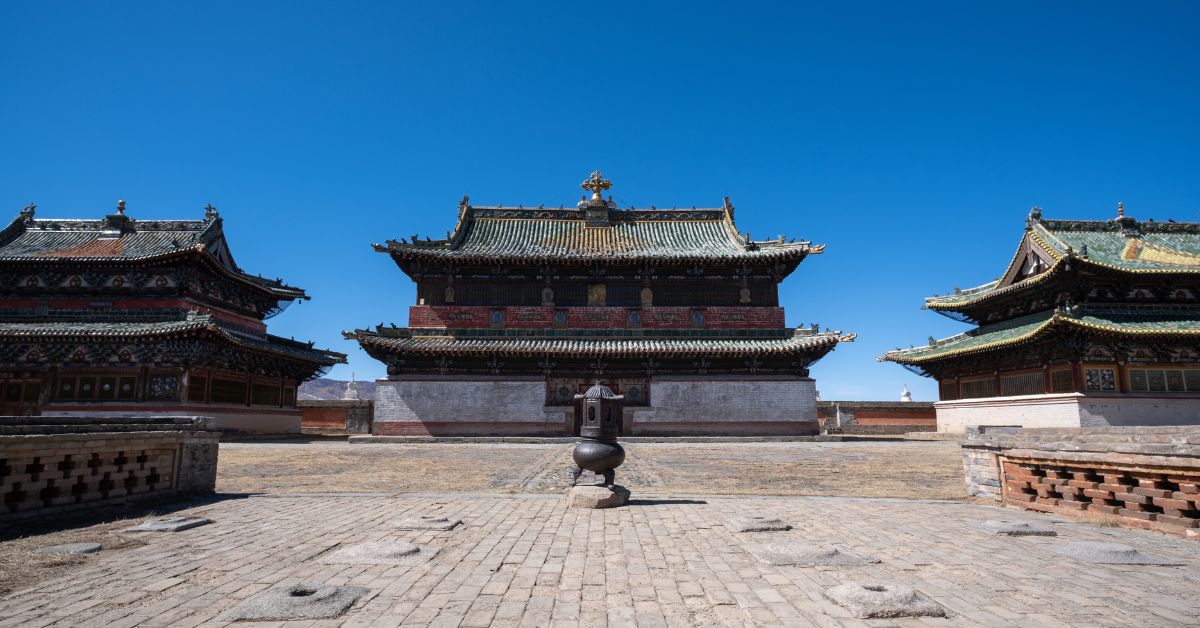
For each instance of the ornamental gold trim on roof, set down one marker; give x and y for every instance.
(1139, 250)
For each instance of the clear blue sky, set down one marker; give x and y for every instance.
(912, 138)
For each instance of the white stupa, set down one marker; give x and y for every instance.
(351, 393)
(906, 396)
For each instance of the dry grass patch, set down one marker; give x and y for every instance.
(21, 566)
(423, 468)
(905, 470)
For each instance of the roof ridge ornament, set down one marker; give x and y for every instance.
(27, 213)
(210, 212)
(597, 208)
(1035, 216)
(121, 207)
(595, 184)
(1127, 224)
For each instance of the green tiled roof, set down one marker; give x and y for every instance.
(498, 233)
(1130, 321)
(150, 331)
(1122, 244)
(575, 347)
(120, 238)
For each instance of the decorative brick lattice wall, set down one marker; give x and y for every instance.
(1167, 499)
(52, 469)
(1136, 476)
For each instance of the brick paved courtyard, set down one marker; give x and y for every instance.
(525, 560)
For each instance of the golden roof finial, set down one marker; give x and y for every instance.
(596, 184)
(1120, 208)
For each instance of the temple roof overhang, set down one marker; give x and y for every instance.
(196, 325)
(1131, 323)
(1122, 246)
(801, 342)
(119, 239)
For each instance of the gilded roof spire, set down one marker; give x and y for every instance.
(596, 184)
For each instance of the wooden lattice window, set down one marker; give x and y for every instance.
(973, 389)
(264, 395)
(1061, 381)
(948, 390)
(1023, 384)
(228, 391)
(196, 386)
(1164, 380)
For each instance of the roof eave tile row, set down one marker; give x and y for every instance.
(534, 347)
(195, 325)
(1033, 327)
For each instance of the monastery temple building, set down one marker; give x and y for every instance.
(1093, 323)
(118, 317)
(519, 309)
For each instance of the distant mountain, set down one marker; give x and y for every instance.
(323, 388)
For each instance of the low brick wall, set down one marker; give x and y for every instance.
(53, 465)
(1145, 477)
(877, 417)
(339, 415)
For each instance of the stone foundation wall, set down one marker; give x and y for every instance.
(339, 415)
(457, 407)
(1068, 410)
(731, 400)
(1146, 477)
(680, 406)
(53, 465)
(234, 419)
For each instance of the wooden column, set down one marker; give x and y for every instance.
(1077, 375)
(185, 380)
(143, 383)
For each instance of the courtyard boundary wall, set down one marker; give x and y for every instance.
(877, 417)
(352, 416)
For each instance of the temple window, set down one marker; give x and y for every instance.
(227, 391)
(1061, 381)
(1164, 380)
(1023, 384)
(163, 388)
(1100, 379)
(265, 395)
(976, 388)
(196, 389)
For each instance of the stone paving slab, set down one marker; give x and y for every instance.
(660, 561)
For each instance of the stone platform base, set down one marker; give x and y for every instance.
(1069, 410)
(597, 496)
